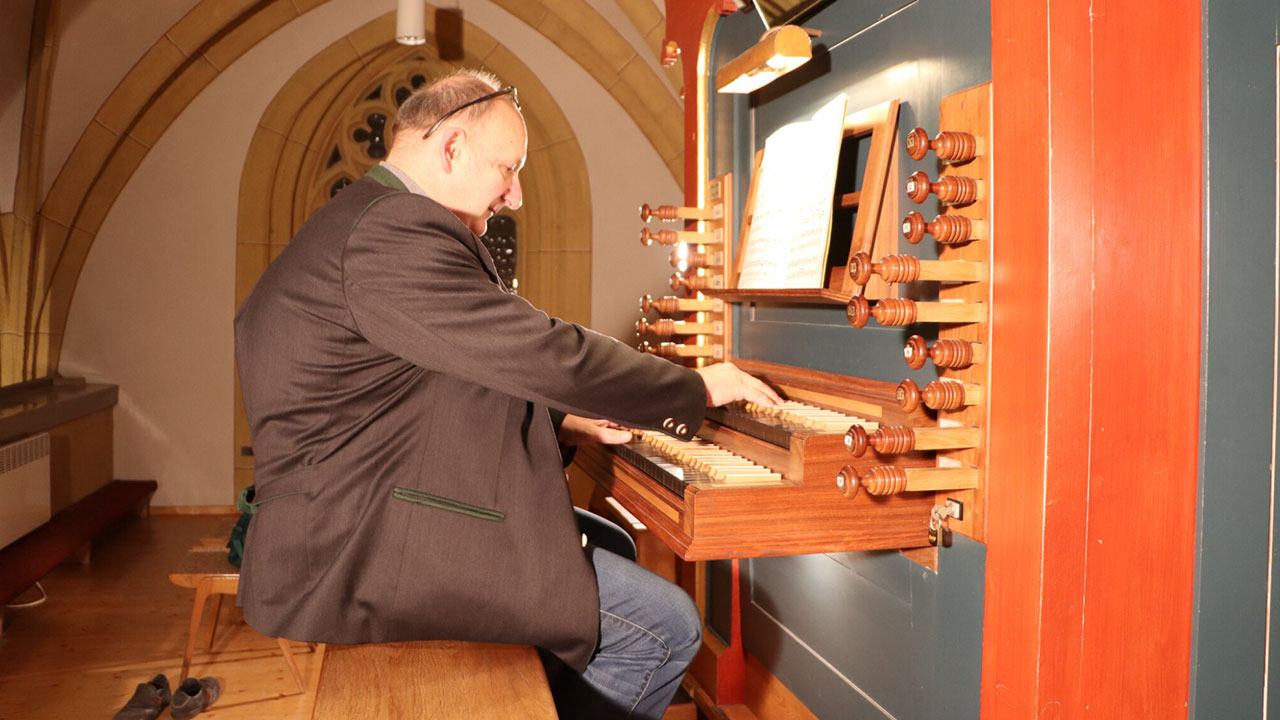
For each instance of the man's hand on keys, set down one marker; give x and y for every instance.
(726, 383)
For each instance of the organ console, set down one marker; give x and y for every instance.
(845, 463)
(762, 481)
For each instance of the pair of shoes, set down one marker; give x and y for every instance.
(148, 701)
(193, 696)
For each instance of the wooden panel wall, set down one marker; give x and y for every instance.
(1097, 301)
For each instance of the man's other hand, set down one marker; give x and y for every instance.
(726, 383)
(577, 430)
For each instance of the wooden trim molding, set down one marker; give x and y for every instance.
(1091, 527)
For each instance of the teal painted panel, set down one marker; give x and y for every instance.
(874, 636)
(1229, 632)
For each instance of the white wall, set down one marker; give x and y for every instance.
(98, 42)
(153, 308)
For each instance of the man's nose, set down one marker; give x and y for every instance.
(514, 196)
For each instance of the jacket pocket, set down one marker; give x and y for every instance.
(443, 503)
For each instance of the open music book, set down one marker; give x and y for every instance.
(788, 238)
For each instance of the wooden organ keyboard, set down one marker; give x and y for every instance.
(764, 481)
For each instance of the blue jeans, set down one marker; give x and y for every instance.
(649, 632)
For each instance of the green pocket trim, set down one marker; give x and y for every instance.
(245, 502)
(444, 503)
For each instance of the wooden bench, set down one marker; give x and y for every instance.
(441, 680)
(67, 533)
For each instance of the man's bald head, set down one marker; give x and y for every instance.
(463, 140)
(428, 104)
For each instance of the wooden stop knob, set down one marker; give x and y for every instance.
(913, 227)
(954, 189)
(908, 395)
(847, 481)
(916, 353)
(885, 480)
(954, 146)
(692, 259)
(898, 268)
(647, 303)
(861, 268)
(892, 268)
(893, 440)
(662, 237)
(952, 353)
(951, 146)
(662, 212)
(857, 311)
(941, 395)
(894, 311)
(692, 283)
(951, 229)
(917, 143)
(918, 187)
(946, 229)
(662, 327)
(856, 441)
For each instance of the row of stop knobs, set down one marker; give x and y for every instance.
(898, 439)
(695, 251)
(943, 394)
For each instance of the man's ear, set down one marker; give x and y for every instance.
(452, 145)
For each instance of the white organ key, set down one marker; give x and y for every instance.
(810, 416)
(717, 463)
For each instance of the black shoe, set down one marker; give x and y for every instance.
(148, 701)
(193, 696)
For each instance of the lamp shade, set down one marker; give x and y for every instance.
(411, 22)
(779, 51)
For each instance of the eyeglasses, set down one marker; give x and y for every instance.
(515, 100)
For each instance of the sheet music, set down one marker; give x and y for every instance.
(791, 219)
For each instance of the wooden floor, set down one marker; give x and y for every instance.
(118, 621)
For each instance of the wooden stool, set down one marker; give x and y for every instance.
(441, 680)
(206, 570)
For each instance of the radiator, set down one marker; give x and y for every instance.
(24, 487)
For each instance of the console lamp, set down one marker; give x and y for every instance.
(780, 50)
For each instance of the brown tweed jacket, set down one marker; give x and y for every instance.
(409, 481)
